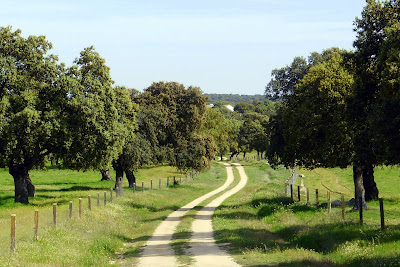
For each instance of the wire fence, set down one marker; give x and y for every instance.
(30, 224)
(338, 204)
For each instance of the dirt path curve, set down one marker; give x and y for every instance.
(203, 247)
(158, 252)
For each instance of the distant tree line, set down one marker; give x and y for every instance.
(233, 99)
(241, 131)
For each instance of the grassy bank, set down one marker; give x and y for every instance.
(103, 236)
(266, 228)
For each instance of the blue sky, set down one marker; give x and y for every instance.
(222, 46)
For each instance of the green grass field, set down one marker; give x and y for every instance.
(103, 236)
(263, 226)
(267, 228)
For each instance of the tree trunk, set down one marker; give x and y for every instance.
(119, 171)
(30, 187)
(358, 187)
(131, 178)
(258, 155)
(244, 155)
(233, 154)
(221, 157)
(105, 175)
(371, 190)
(20, 174)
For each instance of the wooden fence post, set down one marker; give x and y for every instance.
(308, 196)
(111, 195)
(80, 207)
(151, 184)
(119, 189)
(316, 198)
(98, 199)
(360, 208)
(167, 181)
(343, 208)
(70, 209)
(134, 188)
(298, 193)
(329, 202)
(36, 232)
(382, 214)
(291, 191)
(105, 198)
(12, 247)
(159, 183)
(55, 214)
(89, 198)
(142, 187)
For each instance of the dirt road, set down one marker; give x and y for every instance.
(206, 252)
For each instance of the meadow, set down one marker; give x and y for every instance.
(260, 225)
(106, 235)
(267, 228)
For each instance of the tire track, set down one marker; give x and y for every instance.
(203, 246)
(158, 251)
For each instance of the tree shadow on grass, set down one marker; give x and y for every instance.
(269, 206)
(82, 188)
(66, 183)
(323, 238)
(303, 208)
(237, 247)
(365, 262)
(154, 209)
(285, 201)
(239, 215)
(44, 200)
(376, 261)
(73, 188)
(297, 263)
(6, 199)
(326, 238)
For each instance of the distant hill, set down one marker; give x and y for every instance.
(233, 99)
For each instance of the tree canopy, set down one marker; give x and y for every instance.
(218, 127)
(338, 105)
(181, 113)
(49, 109)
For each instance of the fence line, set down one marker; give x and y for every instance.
(289, 188)
(57, 212)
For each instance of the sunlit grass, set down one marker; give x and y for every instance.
(104, 236)
(261, 224)
(265, 227)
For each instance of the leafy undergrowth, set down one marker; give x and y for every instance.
(267, 228)
(105, 235)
